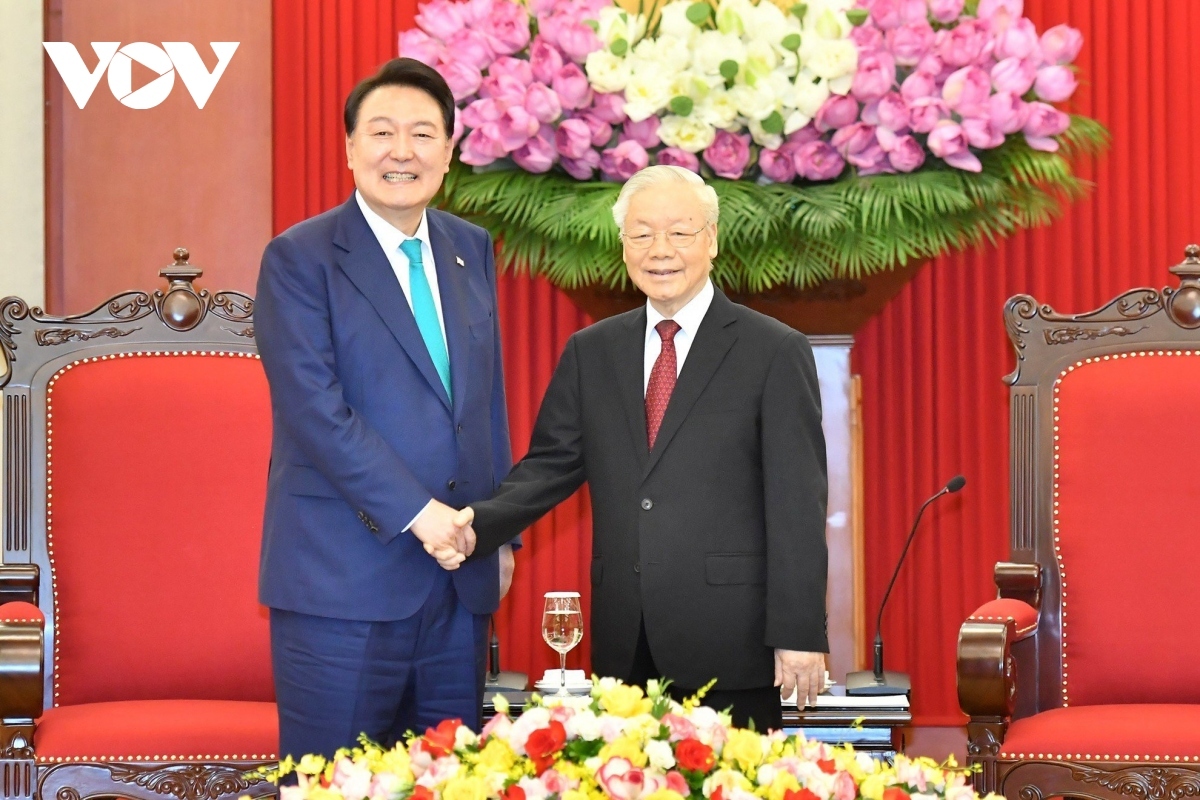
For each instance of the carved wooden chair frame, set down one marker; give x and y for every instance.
(1008, 670)
(36, 347)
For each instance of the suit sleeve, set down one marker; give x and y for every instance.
(549, 473)
(796, 490)
(293, 330)
(501, 443)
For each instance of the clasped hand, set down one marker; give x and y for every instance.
(446, 533)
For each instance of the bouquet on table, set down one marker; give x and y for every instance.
(617, 744)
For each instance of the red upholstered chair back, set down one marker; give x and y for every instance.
(1126, 526)
(157, 467)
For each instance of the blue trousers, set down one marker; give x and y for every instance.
(336, 678)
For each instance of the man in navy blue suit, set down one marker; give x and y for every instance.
(376, 322)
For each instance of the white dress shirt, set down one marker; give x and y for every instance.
(689, 318)
(390, 237)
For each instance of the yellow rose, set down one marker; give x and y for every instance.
(872, 787)
(743, 748)
(496, 756)
(625, 701)
(783, 783)
(664, 794)
(465, 789)
(624, 747)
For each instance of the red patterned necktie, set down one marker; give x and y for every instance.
(662, 379)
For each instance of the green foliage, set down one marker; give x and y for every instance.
(784, 234)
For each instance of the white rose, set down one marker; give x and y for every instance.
(827, 22)
(674, 21)
(809, 93)
(673, 52)
(766, 22)
(684, 84)
(828, 58)
(732, 14)
(606, 72)
(616, 23)
(761, 58)
(646, 93)
(754, 102)
(660, 755)
(712, 48)
(719, 110)
(686, 133)
(584, 725)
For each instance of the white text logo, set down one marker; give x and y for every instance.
(164, 61)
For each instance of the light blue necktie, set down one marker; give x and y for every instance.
(425, 311)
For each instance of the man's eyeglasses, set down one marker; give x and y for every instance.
(677, 239)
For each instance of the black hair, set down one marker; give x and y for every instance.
(402, 72)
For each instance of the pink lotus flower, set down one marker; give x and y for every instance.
(537, 154)
(909, 43)
(837, 112)
(904, 153)
(1055, 84)
(609, 107)
(948, 142)
(582, 168)
(931, 63)
(504, 88)
(926, 112)
(888, 14)
(982, 133)
(573, 138)
(463, 78)
(1061, 44)
(966, 91)
(777, 165)
(416, 43)
(963, 44)
(644, 133)
(544, 60)
(471, 46)
(516, 126)
(818, 161)
(674, 157)
(476, 11)
(867, 38)
(1019, 40)
(572, 86)
(988, 9)
(1008, 112)
(542, 103)
(807, 134)
(892, 112)
(482, 111)
(506, 27)
(601, 131)
(440, 18)
(918, 85)
(574, 38)
(623, 161)
(457, 133)
(945, 11)
(853, 139)
(1013, 75)
(517, 68)
(1044, 122)
(728, 155)
(875, 76)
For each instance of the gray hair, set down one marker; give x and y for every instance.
(662, 174)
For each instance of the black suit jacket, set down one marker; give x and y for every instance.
(716, 538)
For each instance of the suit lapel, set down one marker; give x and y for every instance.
(452, 280)
(365, 264)
(713, 340)
(628, 356)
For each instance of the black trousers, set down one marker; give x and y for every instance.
(760, 707)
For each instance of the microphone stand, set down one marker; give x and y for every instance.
(877, 681)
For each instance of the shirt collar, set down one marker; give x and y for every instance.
(389, 236)
(689, 317)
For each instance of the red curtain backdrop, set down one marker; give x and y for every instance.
(931, 362)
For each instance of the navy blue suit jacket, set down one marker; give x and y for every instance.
(364, 433)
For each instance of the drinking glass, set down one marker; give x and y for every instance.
(562, 628)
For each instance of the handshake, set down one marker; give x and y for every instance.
(446, 533)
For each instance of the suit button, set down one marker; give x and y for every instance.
(647, 504)
(637, 567)
(451, 484)
(460, 428)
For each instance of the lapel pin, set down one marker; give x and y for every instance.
(461, 263)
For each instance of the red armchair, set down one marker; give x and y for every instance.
(134, 657)
(1081, 679)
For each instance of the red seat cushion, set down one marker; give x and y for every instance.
(159, 730)
(1023, 615)
(1132, 732)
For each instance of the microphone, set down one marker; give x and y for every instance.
(877, 681)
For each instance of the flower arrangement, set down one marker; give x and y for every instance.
(617, 744)
(948, 104)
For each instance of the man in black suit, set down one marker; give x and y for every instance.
(697, 424)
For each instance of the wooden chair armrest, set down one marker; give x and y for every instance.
(21, 663)
(1019, 582)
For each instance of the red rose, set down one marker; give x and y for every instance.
(513, 792)
(827, 766)
(802, 794)
(694, 755)
(439, 741)
(895, 793)
(544, 743)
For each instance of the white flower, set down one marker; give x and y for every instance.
(732, 14)
(766, 22)
(717, 109)
(761, 58)
(808, 94)
(842, 85)
(584, 725)
(771, 141)
(713, 47)
(674, 21)
(527, 723)
(686, 133)
(616, 23)
(606, 72)
(464, 737)
(660, 755)
(827, 18)
(646, 93)
(669, 52)
(534, 788)
(685, 84)
(829, 58)
(754, 102)
(794, 121)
